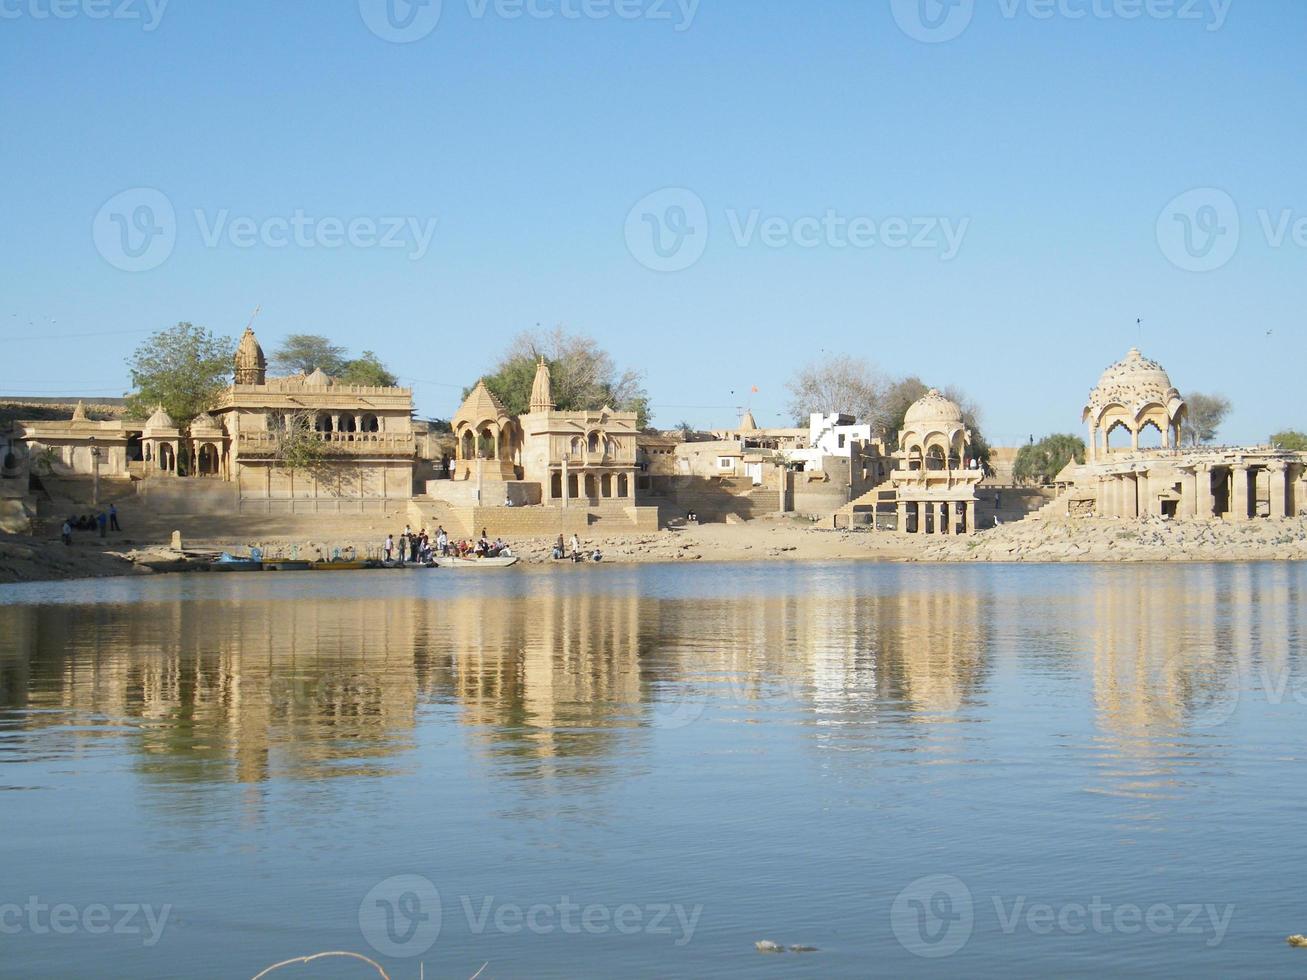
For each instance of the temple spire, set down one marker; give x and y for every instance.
(542, 398)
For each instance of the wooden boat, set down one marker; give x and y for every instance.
(287, 566)
(339, 566)
(442, 562)
(231, 563)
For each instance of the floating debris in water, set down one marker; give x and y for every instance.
(1297, 940)
(767, 946)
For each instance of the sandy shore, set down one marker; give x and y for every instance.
(28, 559)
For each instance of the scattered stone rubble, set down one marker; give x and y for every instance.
(1150, 539)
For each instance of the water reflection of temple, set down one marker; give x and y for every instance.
(556, 680)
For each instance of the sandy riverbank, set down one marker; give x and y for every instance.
(28, 559)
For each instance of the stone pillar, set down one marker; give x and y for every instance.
(1275, 472)
(902, 517)
(970, 518)
(945, 518)
(564, 482)
(1092, 444)
(1203, 499)
(1189, 504)
(1239, 492)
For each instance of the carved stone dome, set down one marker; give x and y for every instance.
(159, 420)
(1134, 383)
(933, 408)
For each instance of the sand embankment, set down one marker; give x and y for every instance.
(29, 559)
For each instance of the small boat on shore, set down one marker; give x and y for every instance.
(340, 566)
(443, 562)
(287, 566)
(230, 563)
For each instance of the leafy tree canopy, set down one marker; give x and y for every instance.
(584, 376)
(855, 387)
(1206, 415)
(366, 369)
(304, 353)
(1290, 439)
(183, 369)
(1042, 461)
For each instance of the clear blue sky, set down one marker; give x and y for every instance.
(1059, 140)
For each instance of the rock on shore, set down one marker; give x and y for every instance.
(1152, 539)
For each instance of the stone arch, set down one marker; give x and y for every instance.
(1118, 437)
(369, 423)
(591, 488)
(1150, 435)
(347, 423)
(594, 441)
(467, 445)
(322, 422)
(623, 485)
(556, 486)
(207, 460)
(167, 458)
(606, 485)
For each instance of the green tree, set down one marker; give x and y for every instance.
(584, 376)
(304, 353)
(898, 397)
(1206, 415)
(1291, 440)
(183, 369)
(1042, 461)
(367, 370)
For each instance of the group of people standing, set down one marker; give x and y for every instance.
(103, 521)
(577, 553)
(409, 546)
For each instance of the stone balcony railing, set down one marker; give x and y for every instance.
(338, 443)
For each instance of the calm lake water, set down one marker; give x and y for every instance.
(639, 772)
